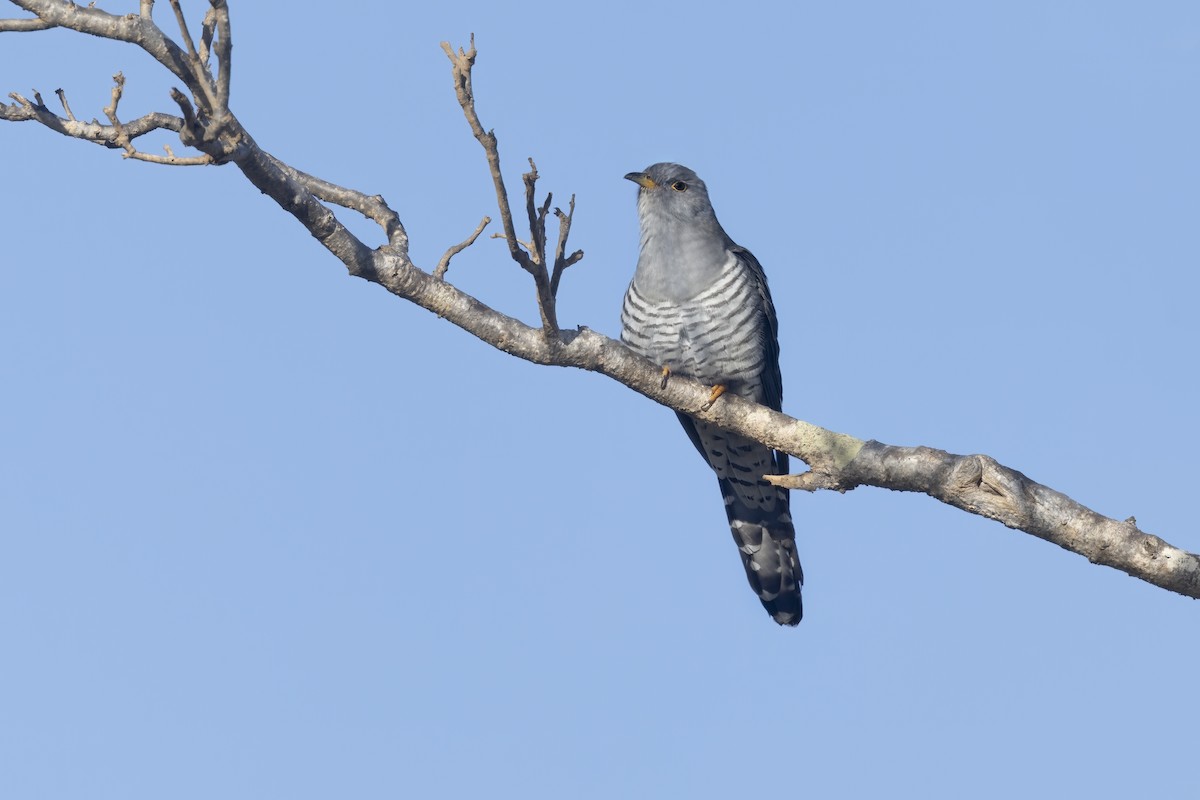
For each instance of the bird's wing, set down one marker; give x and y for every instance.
(772, 378)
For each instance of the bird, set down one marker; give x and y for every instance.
(698, 306)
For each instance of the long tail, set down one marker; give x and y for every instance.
(759, 515)
(766, 542)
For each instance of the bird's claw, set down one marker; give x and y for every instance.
(717, 391)
(666, 373)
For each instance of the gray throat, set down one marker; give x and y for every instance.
(678, 261)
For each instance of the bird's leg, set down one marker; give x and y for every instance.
(665, 374)
(717, 391)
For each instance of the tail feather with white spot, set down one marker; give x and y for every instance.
(759, 516)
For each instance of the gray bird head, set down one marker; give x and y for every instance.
(671, 192)
(683, 247)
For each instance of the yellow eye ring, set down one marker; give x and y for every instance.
(679, 186)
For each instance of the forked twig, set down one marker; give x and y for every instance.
(110, 111)
(562, 262)
(530, 255)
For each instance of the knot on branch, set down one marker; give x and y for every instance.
(217, 136)
(980, 484)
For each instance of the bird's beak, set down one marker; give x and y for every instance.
(641, 179)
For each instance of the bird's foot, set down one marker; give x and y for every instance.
(717, 391)
(666, 373)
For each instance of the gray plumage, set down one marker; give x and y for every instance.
(699, 305)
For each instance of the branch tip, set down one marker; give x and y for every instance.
(453, 250)
(62, 98)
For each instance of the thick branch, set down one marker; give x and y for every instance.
(981, 485)
(124, 28)
(838, 461)
(373, 207)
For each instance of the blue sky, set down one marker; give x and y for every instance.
(268, 531)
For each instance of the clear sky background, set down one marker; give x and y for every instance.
(268, 531)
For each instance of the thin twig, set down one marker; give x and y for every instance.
(462, 62)
(62, 98)
(172, 160)
(202, 84)
(527, 245)
(224, 51)
(118, 136)
(537, 226)
(25, 25)
(184, 32)
(122, 139)
(532, 259)
(110, 111)
(88, 131)
(561, 262)
(190, 124)
(208, 28)
(444, 264)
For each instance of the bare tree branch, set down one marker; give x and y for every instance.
(980, 485)
(537, 217)
(224, 51)
(111, 136)
(561, 261)
(208, 29)
(110, 111)
(62, 98)
(462, 62)
(183, 30)
(439, 272)
(533, 258)
(837, 461)
(25, 25)
(126, 28)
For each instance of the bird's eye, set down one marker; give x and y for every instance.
(679, 186)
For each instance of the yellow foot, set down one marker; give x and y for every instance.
(717, 391)
(666, 374)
